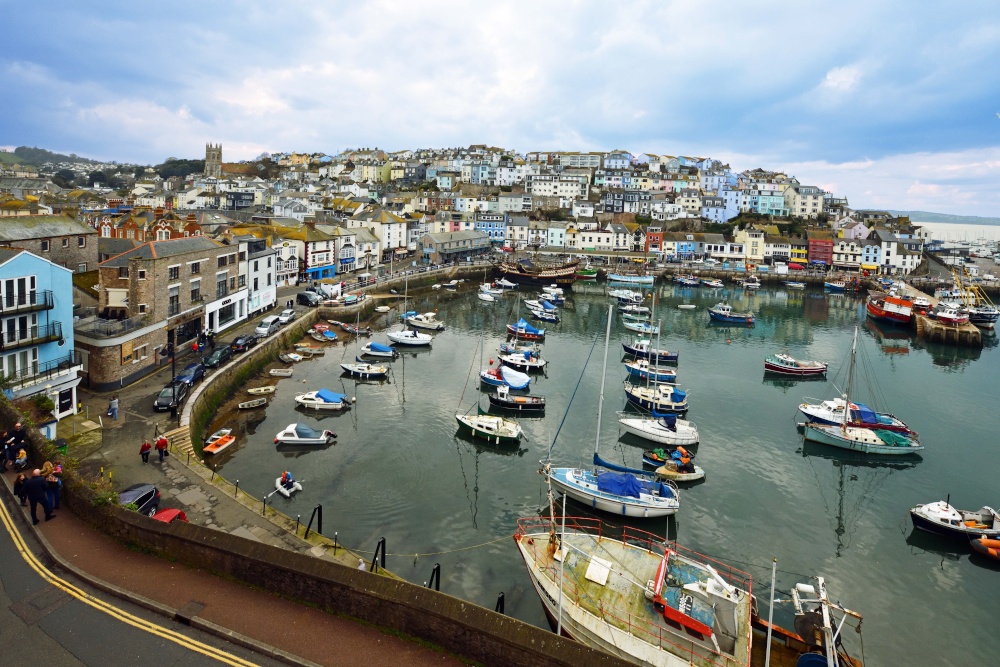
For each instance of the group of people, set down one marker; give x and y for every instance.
(41, 488)
(162, 448)
(206, 338)
(14, 443)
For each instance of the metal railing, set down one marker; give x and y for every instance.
(43, 371)
(100, 328)
(35, 335)
(26, 301)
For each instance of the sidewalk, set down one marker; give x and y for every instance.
(275, 627)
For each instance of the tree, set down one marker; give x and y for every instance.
(95, 177)
(63, 178)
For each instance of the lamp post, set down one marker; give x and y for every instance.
(170, 349)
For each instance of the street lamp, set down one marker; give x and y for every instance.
(169, 350)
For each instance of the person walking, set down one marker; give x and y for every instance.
(34, 489)
(6, 451)
(113, 407)
(19, 489)
(161, 447)
(144, 451)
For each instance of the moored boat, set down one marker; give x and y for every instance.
(636, 278)
(425, 321)
(641, 327)
(526, 271)
(362, 369)
(261, 391)
(323, 399)
(642, 349)
(783, 364)
(889, 308)
(524, 331)
(586, 273)
(662, 398)
(504, 376)
(711, 282)
(486, 297)
(504, 400)
(524, 361)
(834, 285)
(723, 312)
(941, 518)
(251, 404)
(949, 315)
(644, 372)
(664, 429)
(491, 428)
(794, 284)
(374, 349)
(218, 441)
(300, 434)
(410, 337)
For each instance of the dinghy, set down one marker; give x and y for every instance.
(260, 391)
(364, 370)
(287, 488)
(486, 297)
(255, 403)
(218, 441)
(281, 372)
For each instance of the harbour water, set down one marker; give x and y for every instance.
(401, 470)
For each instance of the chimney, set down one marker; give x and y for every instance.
(191, 218)
(158, 213)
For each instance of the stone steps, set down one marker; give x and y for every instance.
(180, 441)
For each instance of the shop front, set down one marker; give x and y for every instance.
(224, 313)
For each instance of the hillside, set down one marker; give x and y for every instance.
(925, 216)
(39, 156)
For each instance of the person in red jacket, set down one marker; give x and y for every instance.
(161, 447)
(144, 451)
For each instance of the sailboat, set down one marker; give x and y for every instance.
(624, 493)
(860, 438)
(492, 428)
(406, 336)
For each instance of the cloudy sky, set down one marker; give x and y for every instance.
(893, 103)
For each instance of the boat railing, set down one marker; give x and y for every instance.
(537, 524)
(655, 544)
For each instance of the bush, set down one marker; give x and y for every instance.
(43, 403)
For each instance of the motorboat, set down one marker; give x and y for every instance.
(641, 327)
(300, 434)
(783, 364)
(533, 304)
(524, 361)
(486, 297)
(504, 376)
(663, 429)
(218, 441)
(664, 398)
(545, 316)
(794, 284)
(643, 371)
(374, 349)
(488, 288)
(410, 337)
(364, 370)
(642, 349)
(832, 412)
(323, 399)
(452, 285)
(491, 428)
(504, 400)
(834, 285)
(712, 282)
(425, 321)
(521, 329)
(723, 312)
(688, 281)
(751, 282)
(949, 315)
(288, 488)
(941, 518)
(554, 290)
(503, 283)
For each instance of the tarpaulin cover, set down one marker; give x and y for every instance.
(547, 306)
(379, 347)
(621, 484)
(523, 325)
(894, 439)
(862, 413)
(669, 421)
(514, 379)
(330, 397)
(678, 395)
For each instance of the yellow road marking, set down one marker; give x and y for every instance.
(100, 605)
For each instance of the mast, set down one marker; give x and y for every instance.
(604, 372)
(850, 381)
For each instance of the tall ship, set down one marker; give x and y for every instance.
(528, 272)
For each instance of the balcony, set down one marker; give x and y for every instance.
(37, 373)
(29, 336)
(26, 302)
(97, 327)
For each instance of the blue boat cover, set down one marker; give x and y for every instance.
(409, 313)
(329, 334)
(678, 395)
(863, 414)
(514, 379)
(547, 306)
(379, 347)
(527, 355)
(666, 491)
(620, 484)
(330, 397)
(670, 421)
(523, 325)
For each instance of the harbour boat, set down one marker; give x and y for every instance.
(300, 434)
(323, 399)
(524, 331)
(524, 361)
(586, 272)
(688, 281)
(686, 306)
(633, 309)
(410, 337)
(987, 547)
(425, 321)
(218, 441)
(525, 271)
(554, 291)
(794, 284)
(504, 400)
(328, 336)
(260, 391)
(544, 315)
(509, 347)
(505, 284)
(644, 372)
(832, 412)
(488, 288)
(314, 350)
(355, 329)
(373, 349)
(881, 306)
(723, 312)
(486, 297)
(973, 301)
(783, 364)
(504, 376)
(452, 285)
(362, 369)
(254, 403)
(657, 457)
(922, 302)
(281, 372)
(856, 438)
(663, 429)
(287, 489)
(533, 304)
(491, 428)
(947, 314)
(436, 286)
(677, 471)
(750, 282)
(626, 296)
(662, 398)
(382, 309)
(634, 317)
(834, 285)
(941, 518)
(637, 278)
(642, 349)
(290, 357)
(711, 282)
(641, 327)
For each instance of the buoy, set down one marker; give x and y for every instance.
(354, 399)
(728, 341)
(275, 441)
(491, 362)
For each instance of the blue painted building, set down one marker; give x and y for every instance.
(493, 225)
(36, 330)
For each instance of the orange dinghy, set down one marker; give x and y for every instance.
(216, 445)
(987, 547)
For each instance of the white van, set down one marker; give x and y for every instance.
(268, 326)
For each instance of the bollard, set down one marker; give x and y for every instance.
(379, 551)
(435, 582)
(214, 468)
(499, 608)
(298, 518)
(189, 458)
(263, 506)
(102, 472)
(334, 543)
(236, 491)
(319, 519)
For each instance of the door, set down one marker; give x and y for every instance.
(22, 291)
(65, 400)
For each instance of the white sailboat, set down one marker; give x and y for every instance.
(406, 336)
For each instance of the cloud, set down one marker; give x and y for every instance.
(840, 80)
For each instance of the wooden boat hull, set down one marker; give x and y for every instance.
(518, 403)
(261, 391)
(255, 403)
(782, 369)
(560, 275)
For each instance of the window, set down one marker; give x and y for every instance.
(195, 267)
(269, 262)
(106, 232)
(81, 268)
(220, 285)
(222, 261)
(123, 273)
(195, 290)
(81, 241)
(142, 274)
(232, 283)
(232, 259)
(243, 258)
(174, 272)
(45, 245)
(65, 243)
(142, 309)
(139, 353)
(243, 281)
(269, 279)
(174, 303)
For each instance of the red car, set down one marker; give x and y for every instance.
(171, 515)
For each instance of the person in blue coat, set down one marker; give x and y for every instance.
(36, 490)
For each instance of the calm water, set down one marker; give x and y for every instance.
(401, 471)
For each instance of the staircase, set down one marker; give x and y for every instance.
(180, 441)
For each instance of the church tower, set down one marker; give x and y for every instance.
(213, 161)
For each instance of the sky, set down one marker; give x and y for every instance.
(892, 104)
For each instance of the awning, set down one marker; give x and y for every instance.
(870, 267)
(347, 260)
(400, 251)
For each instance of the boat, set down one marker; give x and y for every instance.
(328, 336)
(260, 391)
(526, 271)
(641, 348)
(794, 284)
(687, 281)
(314, 350)
(323, 399)
(664, 429)
(355, 329)
(712, 282)
(643, 371)
(410, 337)
(218, 441)
(783, 364)
(881, 306)
(586, 272)
(524, 361)
(251, 404)
(941, 518)
(362, 369)
(281, 372)
(290, 357)
(488, 288)
(505, 284)
(677, 471)
(626, 296)
(633, 309)
(373, 349)
(491, 428)
(973, 301)
(508, 347)
(486, 296)
(686, 306)
(858, 438)
(504, 400)
(641, 327)
(453, 285)
(657, 457)
(318, 335)
(751, 282)
(554, 291)
(832, 412)
(382, 309)
(636, 278)
(948, 314)
(723, 312)
(504, 376)
(425, 321)
(287, 489)
(300, 434)
(545, 315)
(533, 304)
(987, 547)
(436, 286)
(834, 285)
(524, 331)
(634, 317)
(661, 397)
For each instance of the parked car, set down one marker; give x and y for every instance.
(145, 497)
(268, 326)
(286, 316)
(243, 342)
(219, 356)
(192, 373)
(307, 299)
(171, 515)
(171, 396)
(711, 262)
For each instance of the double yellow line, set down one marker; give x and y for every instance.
(115, 612)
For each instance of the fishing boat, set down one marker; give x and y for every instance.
(643, 371)
(260, 391)
(251, 404)
(373, 349)
(661, 397)
(486, 297)
(941, 518)
(664, 429)
(526, 271)
(287, 488)
(712, 282)
(504, 376)
(362, 369)
(636, 278)
(857, 438)
(524, 331)
(491, 428)
(783, 364)
(641, 327)
(504, 400)
(971, 299)
(425, 321)
(834, 285)
(794, 284)
(410, 337)
(881, 306)
(642, 349)
(632, 309)
(723, 312)
(218, 441)
(948, 314)
(323, 399)
(524, 361)
(280, 372)
(300, 434)
(586, 272)
(545, 315)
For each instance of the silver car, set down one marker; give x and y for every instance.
(286, 316)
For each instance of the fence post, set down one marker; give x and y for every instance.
(236, 491)
(499, 607)
(435, 581)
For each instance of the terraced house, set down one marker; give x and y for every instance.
(56, 238)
